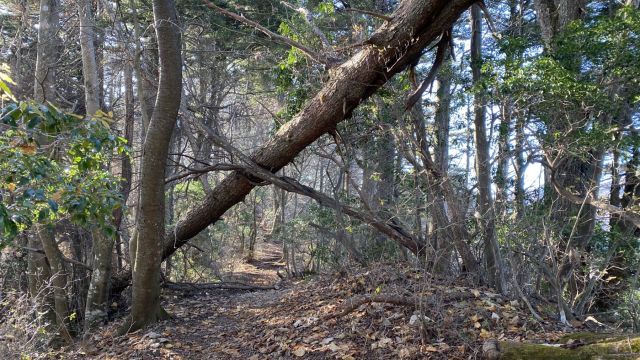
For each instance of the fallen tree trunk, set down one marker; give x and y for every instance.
(398, 43)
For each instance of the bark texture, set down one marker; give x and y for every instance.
(97, 296)
(58, 279)
(150, 225)
(483, 161)
(44, 87)
(89, 64)
(395, 45)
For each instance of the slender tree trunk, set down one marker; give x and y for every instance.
(89, 63)
(127, 166)
(97, 297)
(521, 167)
(45, 74)
(443, 248)
(45, 91)
(17, 64)
(58, 279)
(482, 161)
(39, 273)
(150, 226)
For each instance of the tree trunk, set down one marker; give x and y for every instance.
(58, 279)
(482, 161)
(442, 247)
(45, 74)
(39, 273)
(127, 167)
(16, 71)
(89, 64)
(398, 43)
(50, 266)
(150, 225)
(97, 298)
(447, 209)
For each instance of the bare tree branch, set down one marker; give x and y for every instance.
(389, 228)
(441, 53)
(40, 251)
(313, 55)
(627, 215)
(369, 12)
(204, 170)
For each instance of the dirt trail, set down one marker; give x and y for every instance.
(307, 319)
(210, 324)
(262, 270)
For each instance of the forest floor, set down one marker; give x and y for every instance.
(386, 312)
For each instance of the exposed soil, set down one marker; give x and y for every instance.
(262, 269)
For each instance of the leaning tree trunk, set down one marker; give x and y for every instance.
(395, 45)
(150, 224)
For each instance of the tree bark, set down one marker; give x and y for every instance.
(44, 87)
(97, 296)
(482, 160)
(395, 45)
(50, 265)
(58, 279)
(150, 225)
(89, 64)
(437, 208)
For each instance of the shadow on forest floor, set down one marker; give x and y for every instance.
(385, 312)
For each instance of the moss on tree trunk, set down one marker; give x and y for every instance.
(596, 347)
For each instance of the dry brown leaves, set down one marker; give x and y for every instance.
(287, 323)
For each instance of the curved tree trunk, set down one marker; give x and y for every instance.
(150, 225)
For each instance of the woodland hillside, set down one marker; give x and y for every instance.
(361, 179)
